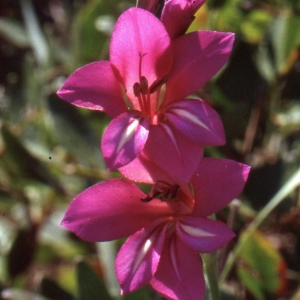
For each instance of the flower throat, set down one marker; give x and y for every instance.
(143, 92)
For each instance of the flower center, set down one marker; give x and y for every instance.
(148, 97)
(162, 190)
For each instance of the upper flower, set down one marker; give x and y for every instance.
(143, 88)
(169, 225)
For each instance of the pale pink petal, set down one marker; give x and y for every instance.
(177, 15)
(216, 183)
(203, 235)
(197, 121)
(138, 258)
(173, 152)
(179, 275)
(198, 56)
(110, 210)
(140, 46)
(94, 86)
(124, 139)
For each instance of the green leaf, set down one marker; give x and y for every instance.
(35, 33)
(20, 294)
(210, 264)
(261, 267)
(255, 25)
(21, 254)
(19, 163)
(141, 294)
(288, 187)
(265, 63)
(14, 32)
(285, 37)
(288, 120)
(230, 17)
(89, 42)
(73, 131)
(55, 243)
(52, 290)
(7, 235)
(89, 284)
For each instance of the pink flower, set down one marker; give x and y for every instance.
(156, 74)
(168, 226)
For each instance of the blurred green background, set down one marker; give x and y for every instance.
(49, 150)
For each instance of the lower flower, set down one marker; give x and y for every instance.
(169, 226)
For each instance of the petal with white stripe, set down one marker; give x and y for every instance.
(138, 258)
(179, 274)
(203, 235)
(197, 121)
(124, 139)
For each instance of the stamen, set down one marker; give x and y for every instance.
(144, 85)
(158, 83)
(163, 191)
(137, 89)
(137, 92)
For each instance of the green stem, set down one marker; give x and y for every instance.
(210, 263)
(289, 186)
(35, 33)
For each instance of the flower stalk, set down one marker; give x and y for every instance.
(210, 264)
(156, 137)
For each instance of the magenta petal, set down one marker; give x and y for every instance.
(138, 258)
(177, 15)
(134, 47)
(179, 274)
(124, 139)
(173, 152)
(203, 235)
(198, 57)
(94, 86)
(216, 183)
(197, 121)
(110, 210)
(143, 169)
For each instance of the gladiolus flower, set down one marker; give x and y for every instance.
(143, 88)
(168, 226)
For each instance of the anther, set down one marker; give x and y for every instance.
(137, 89)
(158, 83)
(163, 191)
(144, 85)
